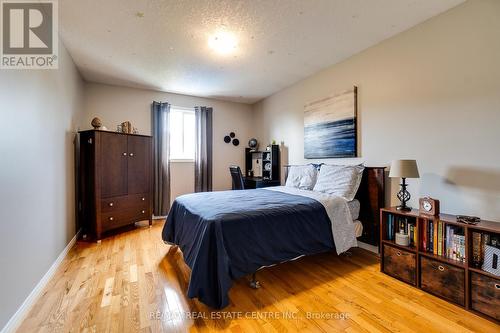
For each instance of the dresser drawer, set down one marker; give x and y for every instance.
(124, 202)
(442, 280)
(485, 295)
(119, 218)
(400, 264)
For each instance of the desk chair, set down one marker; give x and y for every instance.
(236, 176)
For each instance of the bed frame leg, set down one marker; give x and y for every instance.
(254, 284)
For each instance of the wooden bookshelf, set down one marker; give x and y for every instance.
(480, 271)
(453, 280)
(412, 249)
(443, 259)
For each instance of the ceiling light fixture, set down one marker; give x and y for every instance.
(223, 42)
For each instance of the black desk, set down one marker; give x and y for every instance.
(259, 182)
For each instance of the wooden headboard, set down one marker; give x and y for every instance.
(371, 196)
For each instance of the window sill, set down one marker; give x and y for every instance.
(181, 161)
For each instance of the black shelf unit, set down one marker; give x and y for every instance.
(270, 161)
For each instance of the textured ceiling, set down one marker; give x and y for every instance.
(163, 45)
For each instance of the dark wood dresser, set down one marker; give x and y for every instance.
(115, 181)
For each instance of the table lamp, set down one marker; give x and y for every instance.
(404, 169)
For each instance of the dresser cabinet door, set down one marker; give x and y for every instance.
(113, 164)
(139, 164)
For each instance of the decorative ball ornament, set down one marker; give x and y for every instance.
(96, 123)
(252, 143)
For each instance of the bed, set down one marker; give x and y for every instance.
(229, 234)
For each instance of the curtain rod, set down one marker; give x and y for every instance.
(181, 107)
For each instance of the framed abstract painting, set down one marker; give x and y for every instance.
(330, 126)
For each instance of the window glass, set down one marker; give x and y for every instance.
(182, 134)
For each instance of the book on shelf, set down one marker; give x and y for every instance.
(415, 233)
(458, 247)
(486, 251)
(477, 255)
(412, 234)
(440, 239)
(435, 237)
(392, 227)
(424, 235)
(389, 226)
(449, 242)
(454, 243)
(430, 237)
(443, 245)
(400, 224)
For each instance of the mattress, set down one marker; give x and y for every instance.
(358, 228)
(354, 207)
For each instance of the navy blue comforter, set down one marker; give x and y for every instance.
(226, 235)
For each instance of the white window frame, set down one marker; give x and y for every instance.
(184, 110)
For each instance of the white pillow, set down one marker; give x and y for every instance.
(339, 180)
(302, 176)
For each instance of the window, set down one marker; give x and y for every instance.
(182, 134)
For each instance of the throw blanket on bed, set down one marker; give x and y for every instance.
(226, 235)
(343, 228)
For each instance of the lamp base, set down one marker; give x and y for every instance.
(403, 196)
(404, 208)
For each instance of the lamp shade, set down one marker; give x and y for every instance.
(404, 169)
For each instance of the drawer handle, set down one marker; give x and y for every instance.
(398, 253)
(497, 285)
(111, 218)
(441, 268)
(131, 154)
(143, 199)
(125, 154)
(143, 211)
(110, 204)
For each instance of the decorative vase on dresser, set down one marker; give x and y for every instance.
(115, 181)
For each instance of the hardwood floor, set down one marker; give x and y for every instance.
(130, 282)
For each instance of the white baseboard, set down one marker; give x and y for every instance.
(21, 313)
(368, 247)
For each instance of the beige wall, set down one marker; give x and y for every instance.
(431, 93)
(117, 104)
(40, 112)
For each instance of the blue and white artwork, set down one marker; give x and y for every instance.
(330, 126)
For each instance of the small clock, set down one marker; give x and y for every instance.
(429, 206)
